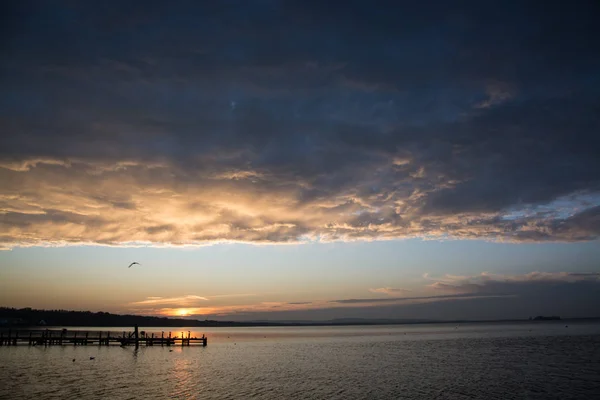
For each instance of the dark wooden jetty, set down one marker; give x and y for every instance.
(49, 337)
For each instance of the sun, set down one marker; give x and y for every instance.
(182, 312)
(187, 311)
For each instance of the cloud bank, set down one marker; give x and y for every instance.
(304, 123)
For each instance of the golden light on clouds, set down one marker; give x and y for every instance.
(47, 202)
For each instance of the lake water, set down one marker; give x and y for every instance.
(471, 361)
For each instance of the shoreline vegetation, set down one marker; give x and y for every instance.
(28, 317)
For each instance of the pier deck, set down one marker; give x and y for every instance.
(51, 337)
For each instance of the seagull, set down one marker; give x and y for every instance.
(134, 263)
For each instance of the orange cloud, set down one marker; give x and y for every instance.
(182, 300)
(234, 309)
(52, 202)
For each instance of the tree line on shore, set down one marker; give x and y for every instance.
(33, 317)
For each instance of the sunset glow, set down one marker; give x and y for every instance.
(294, 160)
(183, 312)
(285, 199)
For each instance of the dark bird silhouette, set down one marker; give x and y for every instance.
(92, 358)
(134, 263)
(73, 360)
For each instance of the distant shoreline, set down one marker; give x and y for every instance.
(234, 324)
(26, 317)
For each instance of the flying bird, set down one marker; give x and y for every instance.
(134, 263)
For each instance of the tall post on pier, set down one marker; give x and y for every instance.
(136, 335)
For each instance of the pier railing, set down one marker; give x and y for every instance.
(48, 337)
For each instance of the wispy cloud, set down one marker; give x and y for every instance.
(493, 283)
(497, 93)
(411, 300)
(232, 295)
(182, 301)
(232, 310)
(390, 291)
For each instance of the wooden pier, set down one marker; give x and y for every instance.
(49, 337)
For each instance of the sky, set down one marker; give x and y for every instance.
(301, 160)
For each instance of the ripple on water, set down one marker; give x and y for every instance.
(327, 366)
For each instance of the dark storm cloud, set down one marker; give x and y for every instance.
(329, 120)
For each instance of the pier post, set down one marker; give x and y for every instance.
(137, 335)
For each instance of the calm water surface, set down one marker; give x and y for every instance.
(471, 361)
